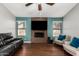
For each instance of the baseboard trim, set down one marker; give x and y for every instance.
(27, 41)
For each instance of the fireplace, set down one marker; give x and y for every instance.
(39, 34)
(39, 30)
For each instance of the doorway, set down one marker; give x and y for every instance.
(39, 30)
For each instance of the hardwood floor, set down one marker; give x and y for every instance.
(41, 50)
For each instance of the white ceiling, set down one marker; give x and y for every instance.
(57, 10)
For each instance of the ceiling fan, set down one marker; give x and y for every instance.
(39, 5)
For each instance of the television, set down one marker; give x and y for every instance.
(39, 25)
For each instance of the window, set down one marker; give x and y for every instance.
(21, 29)
(57, 28)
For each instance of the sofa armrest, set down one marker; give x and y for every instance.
(56, 38)
(67, 39)
(66, 42)
(78, 49)
(18, 38)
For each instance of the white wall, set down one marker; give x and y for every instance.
(71, 22)
(7, 21)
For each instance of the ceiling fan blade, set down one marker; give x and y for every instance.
(39, 7)
(28, 4)
(50, 4)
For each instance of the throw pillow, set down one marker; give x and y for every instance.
(61, 37)
(75, 42)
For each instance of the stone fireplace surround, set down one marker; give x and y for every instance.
(39, 36)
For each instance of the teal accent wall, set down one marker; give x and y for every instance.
(28, 27)
(28, 31)
(49, 27)
(50, 23)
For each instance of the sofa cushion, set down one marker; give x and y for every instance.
(61, 37)
(8, 36)
(1, 43)
(71, 50)
(75, 42)
(7, 50)
(5, 36)
(8, 41)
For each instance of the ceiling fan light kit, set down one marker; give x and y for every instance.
(39, 7)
